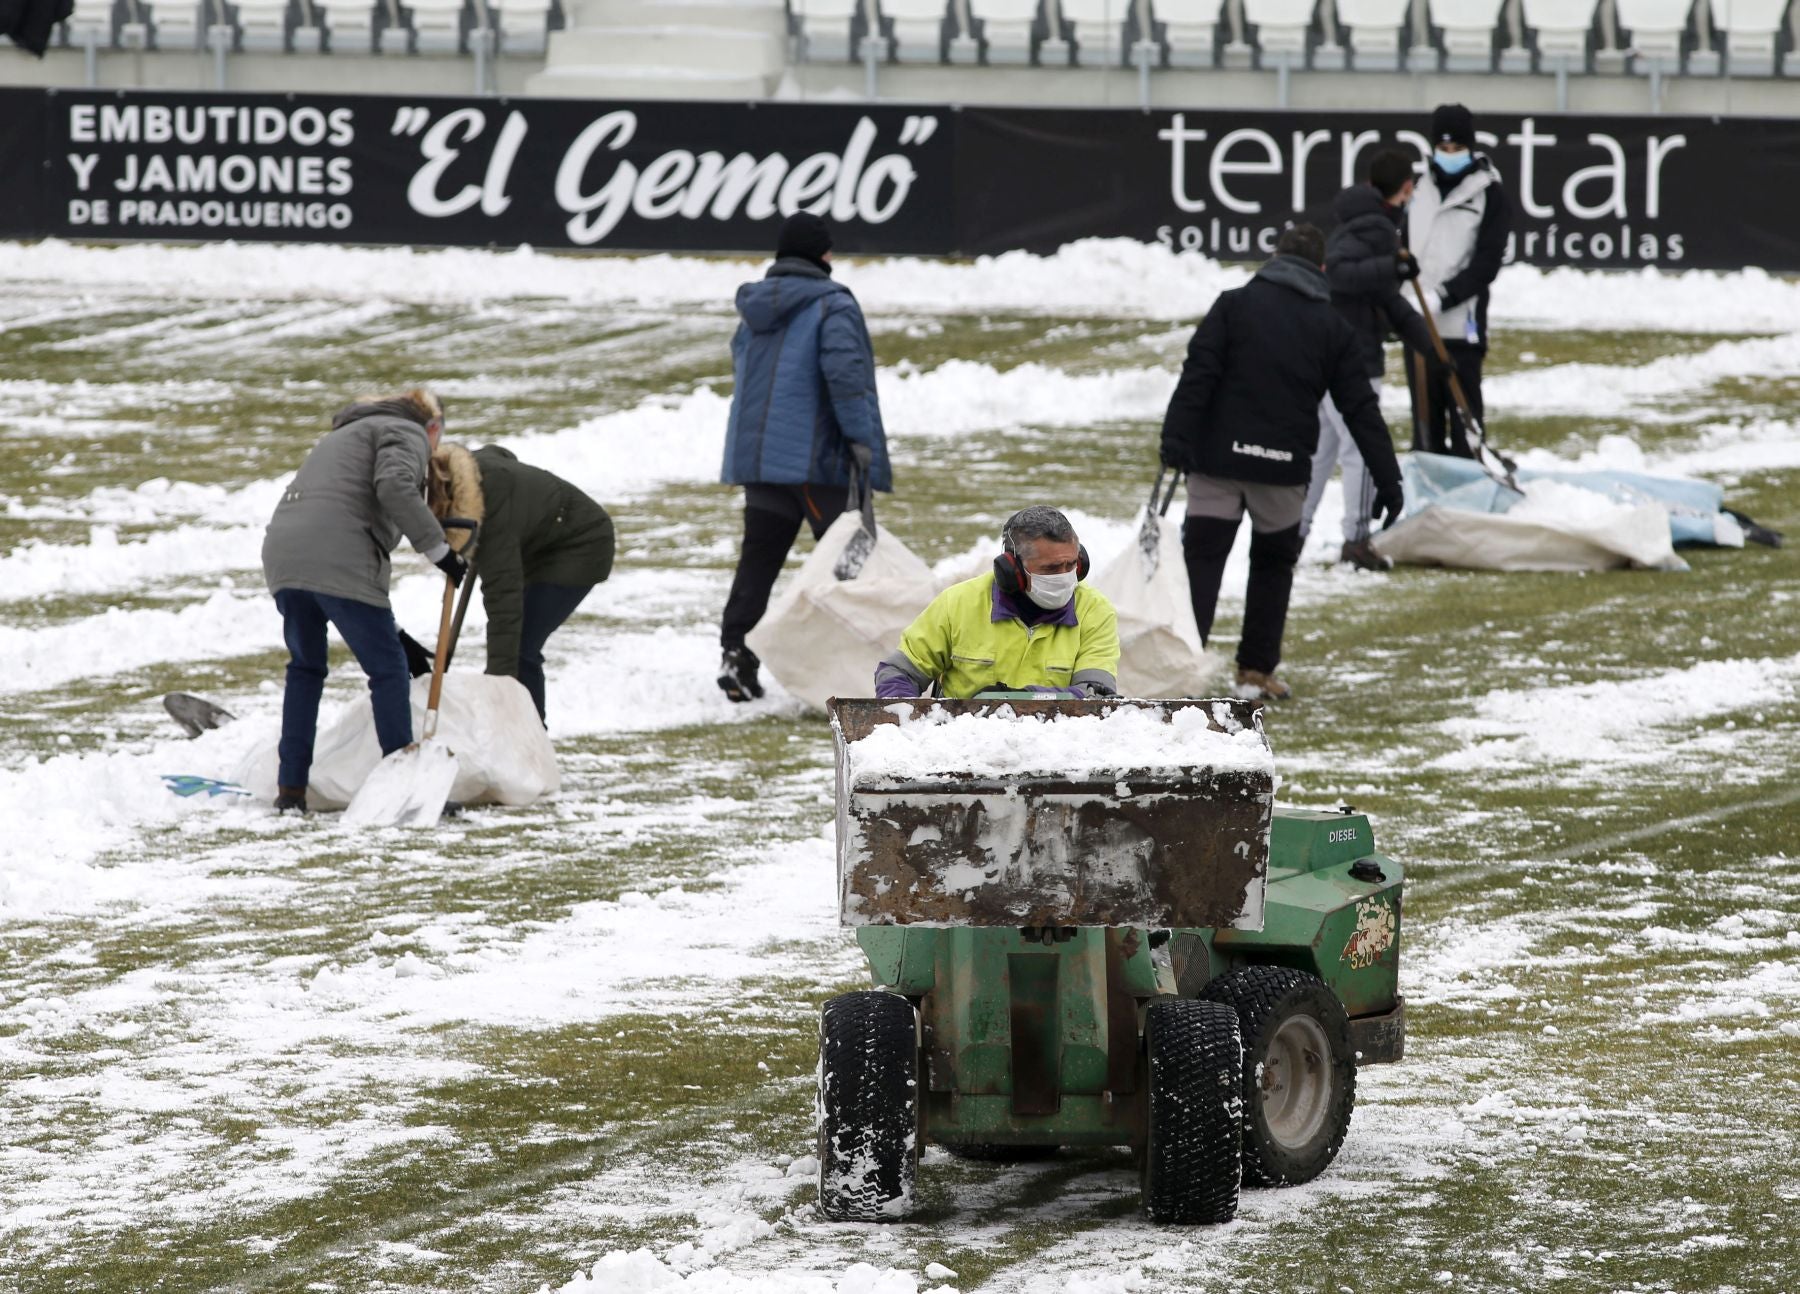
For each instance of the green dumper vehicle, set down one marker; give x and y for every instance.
(1087, 925)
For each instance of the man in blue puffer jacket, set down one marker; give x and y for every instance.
(804, 421)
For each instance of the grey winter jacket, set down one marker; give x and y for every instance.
(359, 490)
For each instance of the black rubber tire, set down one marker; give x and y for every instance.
(1194, 1112)
(992, 1153)
(1299, 1071)
(868, 1107)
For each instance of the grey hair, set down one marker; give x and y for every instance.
(1039, 521)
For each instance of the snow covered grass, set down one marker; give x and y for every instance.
(245, 1053)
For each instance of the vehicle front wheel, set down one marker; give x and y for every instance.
(868, 1107)
(1195, 1098)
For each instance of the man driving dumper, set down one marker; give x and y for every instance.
(1030, 624)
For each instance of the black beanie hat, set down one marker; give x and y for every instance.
(806, 236)
(1455, 123)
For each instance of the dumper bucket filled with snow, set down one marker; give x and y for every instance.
(1088, 925)
(1561, 518)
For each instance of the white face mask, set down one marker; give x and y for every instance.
(1052, 591)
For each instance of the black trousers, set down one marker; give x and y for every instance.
(1205, 543)
(546, 607)
(1437, 424)
(772, 517)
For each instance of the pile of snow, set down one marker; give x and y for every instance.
(1105, 747)
(1556, 503)
(1117, 276)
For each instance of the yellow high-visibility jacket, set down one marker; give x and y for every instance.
(968, 639)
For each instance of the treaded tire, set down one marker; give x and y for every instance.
(1195, 1098)
(868, 1107)
(1299, 1071)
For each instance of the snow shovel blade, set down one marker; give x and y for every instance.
(856, 553)
(407, 789)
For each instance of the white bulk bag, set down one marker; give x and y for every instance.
(825, 635)
(503, 754)
(1159, 643)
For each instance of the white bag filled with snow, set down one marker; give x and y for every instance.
(1159, 643)
(503, 754)
(1555, 527)
(824, 636)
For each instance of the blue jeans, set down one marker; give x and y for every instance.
(546, 607)
(373, 638)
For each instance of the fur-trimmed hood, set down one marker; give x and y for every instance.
(456, 489)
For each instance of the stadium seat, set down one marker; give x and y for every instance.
(1562, 28)
(263, 24)
(1657, 28)
(1099, 29)
(437, 25)
(918, 27)
(1282, 27)
(524, 26)
(349, 25)
(1191, 28)
(178, 23)
(1007, 28)
(91, 22)
(1752, 30)
(1375, 32)
(825, 28)
(1468, 27)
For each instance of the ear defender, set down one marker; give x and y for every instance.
(1009, 576)
(1081, 562)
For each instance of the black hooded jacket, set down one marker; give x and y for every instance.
(1361, 261)
(1246, 407)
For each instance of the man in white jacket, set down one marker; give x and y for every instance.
(1456, 227)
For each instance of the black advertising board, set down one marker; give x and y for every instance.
(23, 162)
(551, 173)
(1600, 192)
(1615, 192)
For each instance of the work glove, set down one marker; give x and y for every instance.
(1390, 502)
(1443, 368)
(418, 660)
(1406, 266)
(452, 565)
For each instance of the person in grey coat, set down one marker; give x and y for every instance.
(325, 558)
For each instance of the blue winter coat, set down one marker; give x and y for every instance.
(804, 374)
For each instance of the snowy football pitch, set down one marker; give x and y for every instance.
(242, 1053)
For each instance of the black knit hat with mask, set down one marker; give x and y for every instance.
(1455, 124)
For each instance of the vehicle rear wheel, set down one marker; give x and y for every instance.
(1195, 1099)
(868, 1107)
(1299, 1071)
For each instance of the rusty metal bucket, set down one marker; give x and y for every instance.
(1182, 843)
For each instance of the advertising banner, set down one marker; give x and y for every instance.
(551, 173)
(1601, 192)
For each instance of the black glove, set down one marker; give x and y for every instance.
(1406, 266)
(863, 455)
(1443, 368)
(418, 660)
(1444, 301)
(452, 564)
(1390, 502)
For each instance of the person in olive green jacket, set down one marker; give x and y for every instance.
(543, 546)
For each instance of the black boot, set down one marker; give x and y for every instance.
(738, 674)
(291, 799)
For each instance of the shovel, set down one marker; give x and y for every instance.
(1471, 424)
(410, 786)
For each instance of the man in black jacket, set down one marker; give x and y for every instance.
(1243, 424)
(1368, 273)
(1456, 226)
